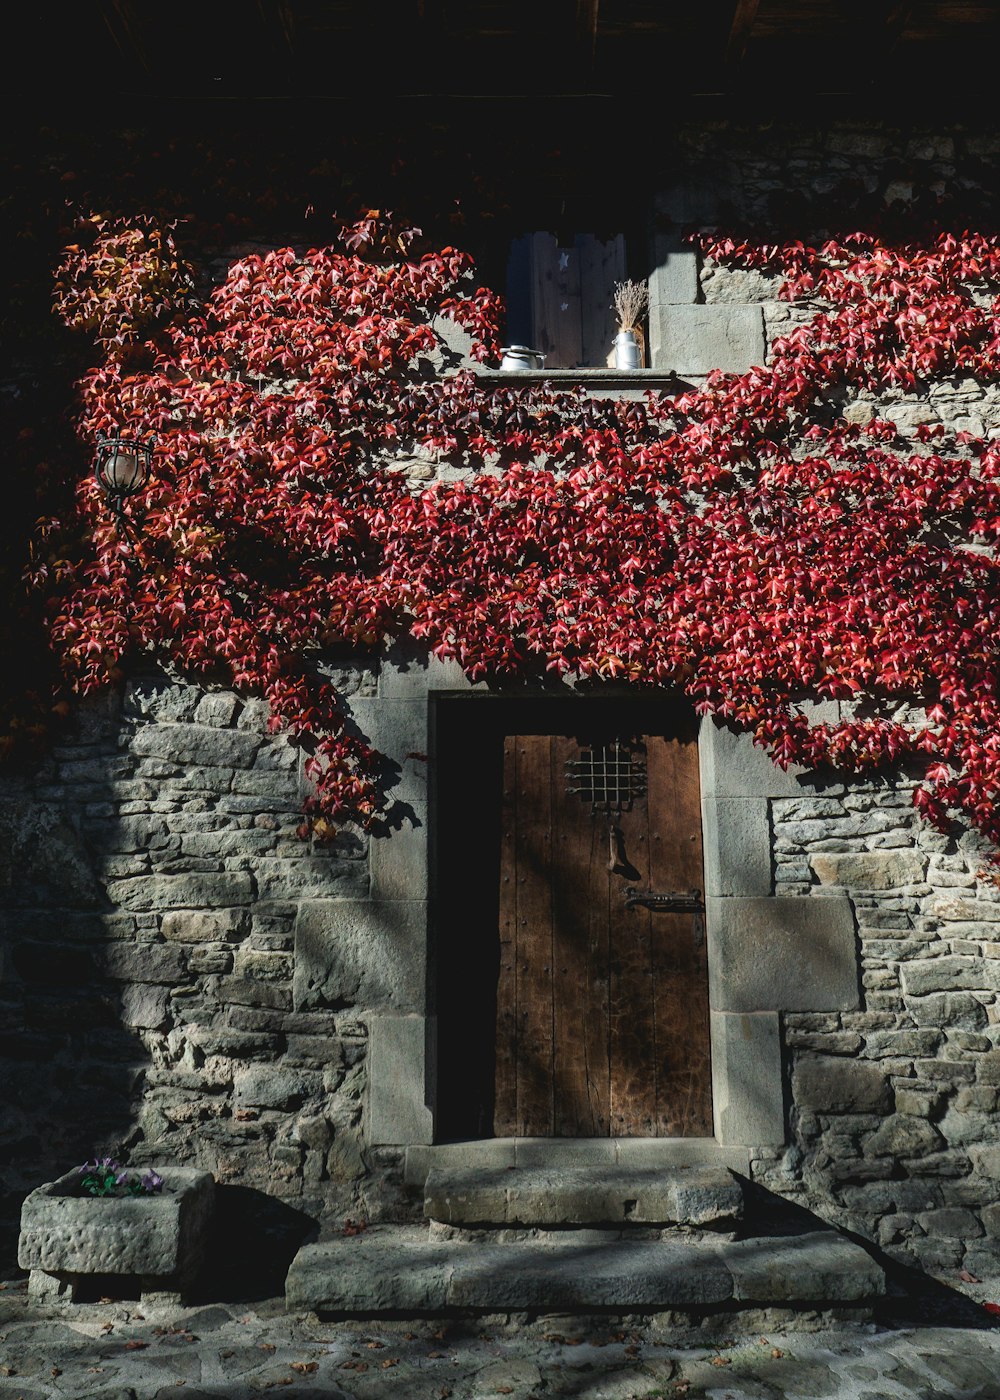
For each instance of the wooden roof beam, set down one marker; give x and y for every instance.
(586, 28)
(278, 19)
(742, 22)
(125, 29)
(898, 16)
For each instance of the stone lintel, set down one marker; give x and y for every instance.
(733, 766)
(782, 954)
(401, 1064)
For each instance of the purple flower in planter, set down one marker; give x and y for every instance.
(107, 1177)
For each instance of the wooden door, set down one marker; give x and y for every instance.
(602, 1005)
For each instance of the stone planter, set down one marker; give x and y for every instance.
(154, 1241)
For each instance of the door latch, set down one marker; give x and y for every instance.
(669, 902)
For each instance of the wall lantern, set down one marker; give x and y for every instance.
(122, 468)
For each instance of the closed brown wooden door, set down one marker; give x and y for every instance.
(602, 1008)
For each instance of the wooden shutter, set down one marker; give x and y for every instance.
(559, 297)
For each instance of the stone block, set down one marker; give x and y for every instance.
(950, 1222)
(366, 1273)
(747, 1083)
(241, 991)
(142, 962)
(267, 1087)
(821, 1267)
(990, 1216)
(960, 1010)
(310, 877)
(145, 1007)
(398, 860)
(198, 744)
(182, 891)
(398, 729)
(584, 1273)
(737, 846)
(733, 766)
(948, 974)
(482, 1154)
(566, 1153)
(841, 1086)
(903, 1136)
(571, 1196)
(782, 954)
(412, 678)
(153, 1236)
(394, 1270)
(400, 1070)
(952, 907)
(699, 339)
(667, 1153)
(674, 279)
(365, 953)
(870, 870)
(219, 709)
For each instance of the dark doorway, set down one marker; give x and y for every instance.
(565, 1007)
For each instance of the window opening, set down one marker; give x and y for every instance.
(559, 291)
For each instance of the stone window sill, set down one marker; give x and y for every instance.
(590, 376)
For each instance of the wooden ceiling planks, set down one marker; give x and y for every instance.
(740, 29)
(635, 48)
(127, 30)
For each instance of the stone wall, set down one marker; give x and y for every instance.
(893, 1129)
(894, 1125)
(161, 994)
(153, 888)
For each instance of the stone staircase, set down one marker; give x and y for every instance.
(586, 1239)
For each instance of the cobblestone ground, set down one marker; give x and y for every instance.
(116, 1351)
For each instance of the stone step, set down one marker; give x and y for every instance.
(696, 1197)
(393, 1269)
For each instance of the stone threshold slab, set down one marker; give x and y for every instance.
(699, 1196)
(388, 1270)
(556, 1153)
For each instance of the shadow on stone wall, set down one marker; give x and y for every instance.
(71, 1066)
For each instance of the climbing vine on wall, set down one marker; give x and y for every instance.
(746, 541)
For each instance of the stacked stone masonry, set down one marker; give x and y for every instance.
(162, 990)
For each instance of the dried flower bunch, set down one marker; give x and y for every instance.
(629, 301)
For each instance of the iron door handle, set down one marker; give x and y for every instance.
(668, 902)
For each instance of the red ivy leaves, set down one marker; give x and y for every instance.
(745, 542)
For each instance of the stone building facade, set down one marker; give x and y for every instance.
(186, 979)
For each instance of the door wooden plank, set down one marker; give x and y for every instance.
(601, 266)
(534, 1116)
(633, 1085)
(555, 302)
(580, 959)
(505, 1081)
(680, 960)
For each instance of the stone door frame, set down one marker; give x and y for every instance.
(767, 954)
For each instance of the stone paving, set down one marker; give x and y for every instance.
(126, 1351)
